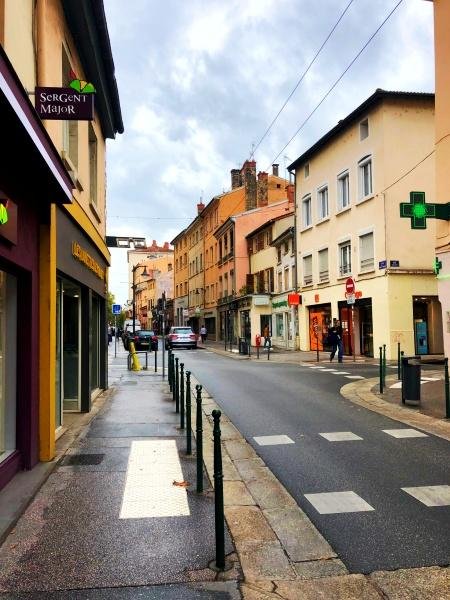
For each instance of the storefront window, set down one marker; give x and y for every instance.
(95, 347)
(280, 326)
(71, 346)
(8, 336)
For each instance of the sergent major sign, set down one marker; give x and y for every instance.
(65, 104)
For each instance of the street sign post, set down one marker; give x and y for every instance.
(350, 298)
(116, 310)
(350, 285)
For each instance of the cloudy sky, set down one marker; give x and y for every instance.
(201, 80)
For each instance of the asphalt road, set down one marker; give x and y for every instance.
(265, 399)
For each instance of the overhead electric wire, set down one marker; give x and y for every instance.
(302, 76)
(336, 82)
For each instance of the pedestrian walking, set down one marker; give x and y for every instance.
(335, 340)
(266, 335)
(203, 334)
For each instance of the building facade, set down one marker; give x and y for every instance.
(181, 279)
(49, 44)
(349, 186)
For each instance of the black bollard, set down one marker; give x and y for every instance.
(169, 368)
(181, 395)
(199, 430)
(257, 352)
(173, 377)
(268, 352)
(381, 370)
(399, 364)
(177, 386)
(218, 494)
(156, 360)
(384, 365)
(188, 414)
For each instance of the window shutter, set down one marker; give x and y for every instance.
(249, 283)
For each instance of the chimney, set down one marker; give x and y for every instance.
(200, 207)
(275, 169)
(248, 172)
(262, 189)
(290, 193)
(236, 179)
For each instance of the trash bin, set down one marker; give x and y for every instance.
(411, 368)
(243, 346)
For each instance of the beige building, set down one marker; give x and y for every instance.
(349, 186)
(272, 279)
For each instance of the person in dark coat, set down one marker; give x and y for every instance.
(335, 341)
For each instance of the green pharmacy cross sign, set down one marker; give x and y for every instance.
(419, 211)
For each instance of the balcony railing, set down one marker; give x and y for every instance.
(324, 275)
(367, 264)
(307, 279)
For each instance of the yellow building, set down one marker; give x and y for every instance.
(181, 279)
(349, 186)
(196, 281)
(54, 44)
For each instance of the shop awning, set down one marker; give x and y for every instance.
(30, 161)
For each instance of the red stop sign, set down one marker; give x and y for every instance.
(350, 285)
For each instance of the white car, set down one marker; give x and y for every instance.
(181, 337)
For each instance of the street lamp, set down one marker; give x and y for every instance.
(133, 287)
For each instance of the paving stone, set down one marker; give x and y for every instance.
(269, 493)
(235, 494)
(252, 468)
(346, 587)
(239, 449)
(250, 592)
(264, 561)
(427, 583)
(247, 523)
(320, 568)
(299, 537)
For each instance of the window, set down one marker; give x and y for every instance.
(293, 277)
(345, 258)
(279, 254)
(92, 165)
(323, 265)
(269, 237)
(366, 253)
(280, 281)
(306, 170)
(286, 279)
(364, 129)
(365, 177)
(307, 270)
(286, 248)
(322, 199)
(306, 211)
(343, 190)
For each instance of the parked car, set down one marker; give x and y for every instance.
(181, 337)
(145, 339)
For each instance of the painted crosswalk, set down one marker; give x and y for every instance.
(349, 501)
(339, 372)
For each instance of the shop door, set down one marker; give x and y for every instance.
(347, 330)
(71, 346)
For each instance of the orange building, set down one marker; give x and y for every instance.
(181, 278)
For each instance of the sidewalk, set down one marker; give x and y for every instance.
(91, 531)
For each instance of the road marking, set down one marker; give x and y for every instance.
(430, 495)
(354, 377)
(422, 381)
(316, 367)
(273, 440)
(323, 370)
(340, 436)
(341, 373)
(338, 502)
(404, 433)
(153, 466)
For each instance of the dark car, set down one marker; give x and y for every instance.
(145, 339)
(181, 337)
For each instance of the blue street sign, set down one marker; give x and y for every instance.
(382, 264)
(116, 309)
(394, 263)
